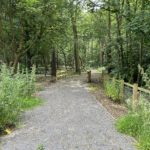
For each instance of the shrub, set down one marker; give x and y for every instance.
(40, 147)
(13, 88)
(137, 124)
(30, 102)
(145, 76)
(144, 138)
(129, 124)
(112, 90)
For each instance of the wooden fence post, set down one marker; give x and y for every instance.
(89, 76)
(135, 96)
(102, 77)
(121, 95)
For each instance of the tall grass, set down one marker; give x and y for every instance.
(111, 90)
(13, 89)
(137, 124)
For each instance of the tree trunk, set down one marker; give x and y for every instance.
(45, 66)
(141, 49)
(0, 26)
(76, 48)
(142, 36)
(57, 59)
(119, 36)
(109, 33)
(65, 59)
(15, 64)
(29, 60)
(53, 65)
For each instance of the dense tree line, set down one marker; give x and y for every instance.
(124, 30)
(36, 31)
(77, 34)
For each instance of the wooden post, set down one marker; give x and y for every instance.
(89, 76)
(53, 79)
(135, 96)
(121, 94)
(102, 77)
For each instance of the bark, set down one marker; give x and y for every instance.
(109, 33)
(0, 26)
(128, 32)
(119, 34)
(53, 64)
(18, 51)
(141, 49)
(29, 60)
(142, 36)
(57, 60)
(76, 46)
(1, 41)
(45, 66)
(15, 63)
(65, 59)
(101, 58)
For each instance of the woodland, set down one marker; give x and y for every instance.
(46, 36)
(77, 34)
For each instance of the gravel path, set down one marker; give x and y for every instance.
(70, 119)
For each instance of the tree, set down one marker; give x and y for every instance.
(73, 10)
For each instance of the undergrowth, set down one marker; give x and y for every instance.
(30, 102)
(112, 90)
(137, 124)
(15, 95)
(93, 87)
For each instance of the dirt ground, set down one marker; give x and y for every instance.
(117, 110)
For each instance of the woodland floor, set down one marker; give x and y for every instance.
(70, 119)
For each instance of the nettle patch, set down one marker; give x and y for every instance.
(15, 95)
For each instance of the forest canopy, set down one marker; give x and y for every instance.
(77, 34)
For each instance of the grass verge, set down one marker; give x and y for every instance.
(25, 104)
(137, 124)
(30, 102)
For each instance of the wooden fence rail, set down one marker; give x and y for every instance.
(135, 89)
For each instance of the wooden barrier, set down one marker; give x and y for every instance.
(121, 94)
(135, 89)
(89, 76)
(135, 96)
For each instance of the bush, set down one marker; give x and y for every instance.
(137, 124)
(144, 139)
(130, 124)
(13, 88)
(30, 102)
(145, 76)
(112, 90)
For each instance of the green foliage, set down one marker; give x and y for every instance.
(101, 69)
(40, 147)
(13, 91)
(30, 102)
(116, 36)
(144, 138)
(112, 90)
(129, 124)
(146, 77)
(137, 124)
